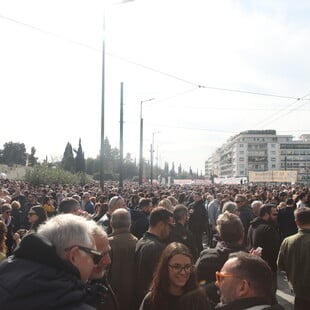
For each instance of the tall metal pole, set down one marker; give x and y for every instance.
(141, 146)
(121, 141)
(152, 151)
(141, 141)
(102, 109)
(152, 155)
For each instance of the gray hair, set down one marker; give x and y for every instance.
(120, 218)
(113, 201)
(229, 206)
(65, 231)
(96, 229)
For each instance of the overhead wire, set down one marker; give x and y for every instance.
(148, 67)
(283, 112)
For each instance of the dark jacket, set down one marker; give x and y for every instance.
(264, 235)
(181, 234)
(147, 254)
(198, 217)
(210, 261)
(36, 278)
(286, 221)
(139, 223)
(246, 303)
(246, 216)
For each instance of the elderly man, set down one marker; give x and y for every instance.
(101, 293)
(50, 268)
(115, 202)
(123, 245)
(245, 283)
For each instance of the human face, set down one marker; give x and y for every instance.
(6, 214)
(102, 244)
(228, 281)
(179, 269)
(32, 217)
(273, 215)
(82, 260)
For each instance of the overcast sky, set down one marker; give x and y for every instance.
(51, 73)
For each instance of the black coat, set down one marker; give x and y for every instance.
(36, 278)
(262, 234)
(210, 261)
(181, 234)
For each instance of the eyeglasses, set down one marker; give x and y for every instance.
(238, 201)
(31, 213)
(95, 255)
(179, 268)
(220, 275)
(8, 212)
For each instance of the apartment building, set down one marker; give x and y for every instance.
(260, 150)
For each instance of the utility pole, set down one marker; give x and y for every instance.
(121, 141)
(141, 141)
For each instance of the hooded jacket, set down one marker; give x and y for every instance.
(36, 278)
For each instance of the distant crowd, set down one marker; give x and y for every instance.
(152, 247)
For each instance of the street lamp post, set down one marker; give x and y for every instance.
(103, 101)
(152, 155)
(141, 141)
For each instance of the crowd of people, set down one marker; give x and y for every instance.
(152, 247)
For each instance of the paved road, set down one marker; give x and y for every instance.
(284, 295)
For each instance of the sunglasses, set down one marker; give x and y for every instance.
(95, 255)
(220, 276)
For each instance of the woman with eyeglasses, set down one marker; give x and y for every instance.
(36, 216)
(3, 231)
(174, 284)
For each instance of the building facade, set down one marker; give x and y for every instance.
(260, 150)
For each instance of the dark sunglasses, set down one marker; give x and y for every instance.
(95, 255)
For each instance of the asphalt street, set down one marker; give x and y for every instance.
(284, 294)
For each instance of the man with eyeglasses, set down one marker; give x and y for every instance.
(263, 233)
(50, 268)
(245, 213)
(244, 282)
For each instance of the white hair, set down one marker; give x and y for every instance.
(96, 229)
(65, 231)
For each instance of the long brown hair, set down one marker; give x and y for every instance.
(3, 231)
(160, 284)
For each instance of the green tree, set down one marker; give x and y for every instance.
(67, 162)
(32, 160)
(79, 159)
(14, 153)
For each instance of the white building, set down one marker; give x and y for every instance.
(260, 150)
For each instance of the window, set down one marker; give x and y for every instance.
(273, 166)
(273, 159)
(241, 159)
